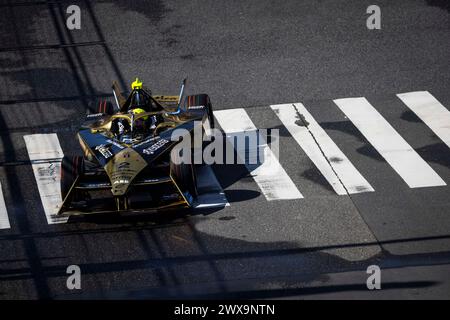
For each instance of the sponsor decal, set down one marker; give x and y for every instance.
(144, 142)
(188, 197)
(149, 180)
(151, 150)
(94, 115)
(118, 145)
(104, 150)
(196, 107)
(96, 185)
(172, 196)
(121, 181)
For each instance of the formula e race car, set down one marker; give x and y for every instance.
(127, 163)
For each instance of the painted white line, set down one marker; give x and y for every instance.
(210, 191)
(323, 152)
(430, 111)
(392, 147)
(270, 176)
(4, 220)
(45, 154)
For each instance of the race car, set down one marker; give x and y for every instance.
(127, 163)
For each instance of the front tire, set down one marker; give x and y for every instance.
(185, 175)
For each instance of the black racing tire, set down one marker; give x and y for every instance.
(186, 176)
(189, 178)
(105, 107)
(71, 168)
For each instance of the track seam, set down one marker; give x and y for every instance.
(340, 181)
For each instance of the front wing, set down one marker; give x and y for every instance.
(89, 196)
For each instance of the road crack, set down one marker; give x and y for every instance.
(304, 123)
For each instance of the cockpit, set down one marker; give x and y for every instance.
(140, 98)
(135, 126)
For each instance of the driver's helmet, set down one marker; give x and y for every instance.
(138, 99)
(139, 124)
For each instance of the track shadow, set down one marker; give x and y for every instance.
(229, 174)
(443, 4)
(410, 116)
(345, 127)
(270, 293)
(314, 175)
(215, 259)
(154, 10)
(282, 131)
(45, 83)
(251, 257)
(241, 195)
(370, 152)
(437, 152)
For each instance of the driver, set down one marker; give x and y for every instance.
(141, 124)
(141, 102)
(120, 126)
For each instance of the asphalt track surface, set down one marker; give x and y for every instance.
(244, 54)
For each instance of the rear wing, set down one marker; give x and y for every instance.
(120, 99)
(177, 101)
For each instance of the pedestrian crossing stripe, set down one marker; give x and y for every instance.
(270, 176)
(389, 144)
(430, 111)
(4, 220)
(45, 154)
(323, 152)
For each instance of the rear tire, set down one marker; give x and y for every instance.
(71, 168)
(105, 107)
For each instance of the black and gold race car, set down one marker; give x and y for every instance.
(127, 163)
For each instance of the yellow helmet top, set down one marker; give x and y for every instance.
(136, 84)
(136, 111)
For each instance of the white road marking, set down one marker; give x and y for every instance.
(323, 152)
(392, 147)
(45, 154)
(211, 193)
(430, 111)
(270, 176)
(4, 220)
